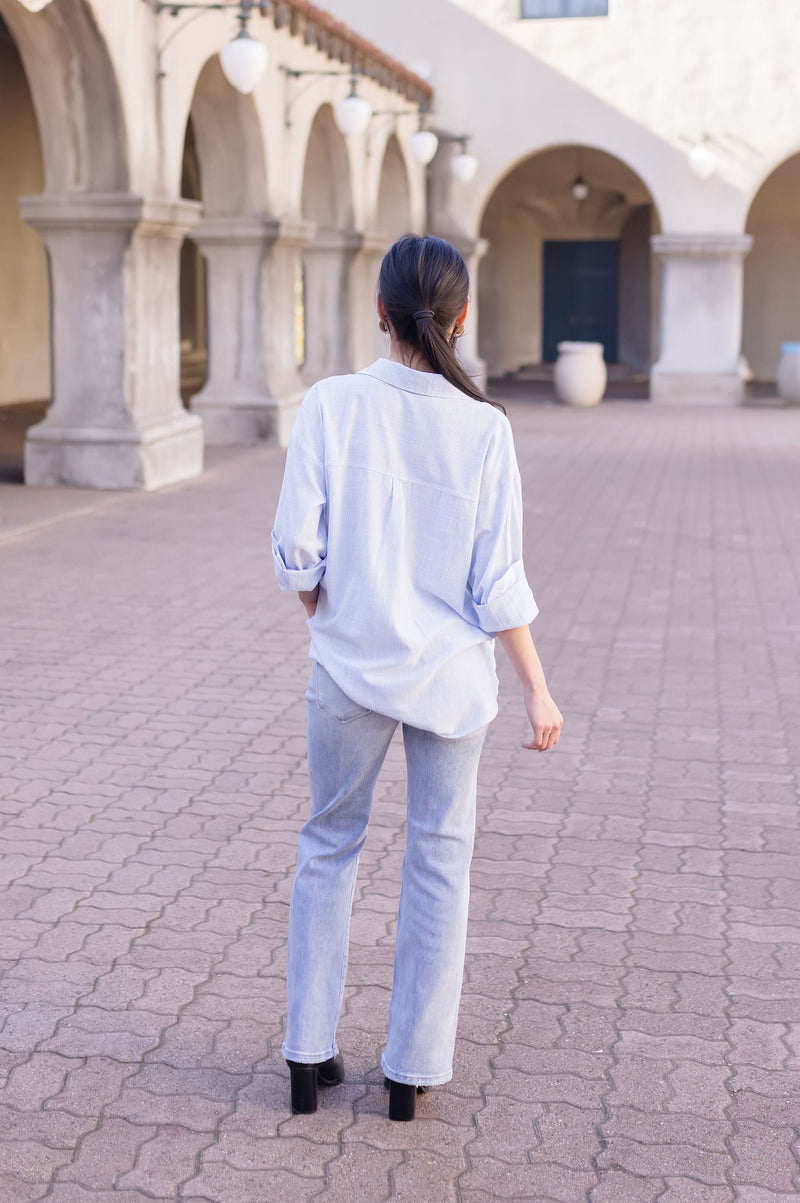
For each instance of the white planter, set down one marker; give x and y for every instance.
(580, 374)
(789, 373)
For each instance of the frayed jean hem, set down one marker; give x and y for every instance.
(415, 1079)
(310, 1058)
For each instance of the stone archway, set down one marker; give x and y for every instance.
(393, 218)
(24, 286)
(222, 318)
(75, 95)
(327, 203)
(558, 266)
(115, 420)
(193, 283)
(771, 312)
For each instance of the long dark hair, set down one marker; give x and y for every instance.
(424, 285)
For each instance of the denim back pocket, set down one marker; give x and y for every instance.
(331, 699)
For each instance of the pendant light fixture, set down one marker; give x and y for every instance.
(243, 61)
(352, 114)
(423, 146)
(463, 166)
(702, 159)
(579, 188)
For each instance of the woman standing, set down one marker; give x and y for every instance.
(399, 524)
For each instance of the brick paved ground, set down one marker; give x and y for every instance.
(631, 1018)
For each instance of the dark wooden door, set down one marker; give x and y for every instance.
(581, 296)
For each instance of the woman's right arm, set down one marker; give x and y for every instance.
(300, 535)
(543, 714)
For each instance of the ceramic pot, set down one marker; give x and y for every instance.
(789, 374)
(580, 374)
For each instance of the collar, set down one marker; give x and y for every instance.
(427, 384)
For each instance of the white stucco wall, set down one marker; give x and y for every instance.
(682, 68)
(513, 100)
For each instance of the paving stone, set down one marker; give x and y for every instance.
(686, 1190)
(630, 1027)
(618, 1187)
(105, 1153)
(765, 1156)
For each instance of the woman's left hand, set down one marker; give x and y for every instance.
(545, 719)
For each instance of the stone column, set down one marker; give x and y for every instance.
(327, 261)
(282, 315)
(116, 421)
(368, 343)
(472, 250)
(236, 404)
(701, 318)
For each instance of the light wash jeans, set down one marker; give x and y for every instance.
(346, 748)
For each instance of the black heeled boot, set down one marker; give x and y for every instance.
(402, 1099)
(306, 1078)
(304, 1087)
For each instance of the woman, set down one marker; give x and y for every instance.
(399, 524)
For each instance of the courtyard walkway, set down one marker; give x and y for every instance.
(630, 1028)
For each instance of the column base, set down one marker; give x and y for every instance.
(696, 388)
(96, 457)
(244, 421)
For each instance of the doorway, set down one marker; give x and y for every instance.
(581, 295)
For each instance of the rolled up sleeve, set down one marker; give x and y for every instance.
(300, 536)
(501, 596)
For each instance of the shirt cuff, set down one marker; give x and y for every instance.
(514, 607)
(304, 579)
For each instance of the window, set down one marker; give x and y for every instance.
(564, 8)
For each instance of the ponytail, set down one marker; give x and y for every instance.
(424, 286)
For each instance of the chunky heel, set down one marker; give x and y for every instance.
(402, 1101)
(304, 1087)
(331, 1072)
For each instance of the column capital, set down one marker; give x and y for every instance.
(464, 244)
(252, 230)
(373, 242)
(291, 231)
(344, 241)
(695, 245)
(106, 212)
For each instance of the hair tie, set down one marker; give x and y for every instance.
(421, 313)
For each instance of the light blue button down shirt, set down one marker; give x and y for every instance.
(402, 500)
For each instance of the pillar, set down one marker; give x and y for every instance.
(701, 318)
(368, 342)
(472, 251)
(241, 400)
(282, 318)
(327, 261)
(116, 420)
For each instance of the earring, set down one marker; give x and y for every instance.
(383, 327)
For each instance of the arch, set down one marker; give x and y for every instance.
(771, 309)
(327, 195)
(75, 94)
(324, 296)
(193, 283)
(222, 259)
(224, 168)
(230, 148)
(393, 217)
(529, 213)
(24, 284)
